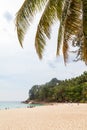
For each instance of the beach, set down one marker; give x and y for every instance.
(61, 116)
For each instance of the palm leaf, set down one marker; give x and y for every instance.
(44, 26)
(60, 6)
(65, 50)
(60, 38)
(62, 27)
(72, 24)
(84, 47)
(25, 15)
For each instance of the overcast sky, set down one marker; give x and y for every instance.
(20, 69)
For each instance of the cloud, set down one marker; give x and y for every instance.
(53, 61)
(7, 15)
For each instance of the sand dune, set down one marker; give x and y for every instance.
(50, 117)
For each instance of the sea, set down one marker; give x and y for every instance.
(14, 104)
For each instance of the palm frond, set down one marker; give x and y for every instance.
(60, 5)
(65, 50)
(84, 48)
(62, 24)
(44, 26)
(80, 29)
(60, 38)
(72, 22)
(25, 15)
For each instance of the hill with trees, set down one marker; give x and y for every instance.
(71, 90)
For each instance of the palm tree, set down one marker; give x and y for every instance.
(72, 15)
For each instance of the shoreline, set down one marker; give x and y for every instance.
(39, 104)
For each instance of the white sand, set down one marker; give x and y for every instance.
(51, 117)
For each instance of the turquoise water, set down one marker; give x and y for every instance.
(12, 105)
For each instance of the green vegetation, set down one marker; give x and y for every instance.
(72, 15)
(72, 90)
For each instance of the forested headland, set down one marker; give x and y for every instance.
(69, 90)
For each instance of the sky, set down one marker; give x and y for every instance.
(20, 69)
